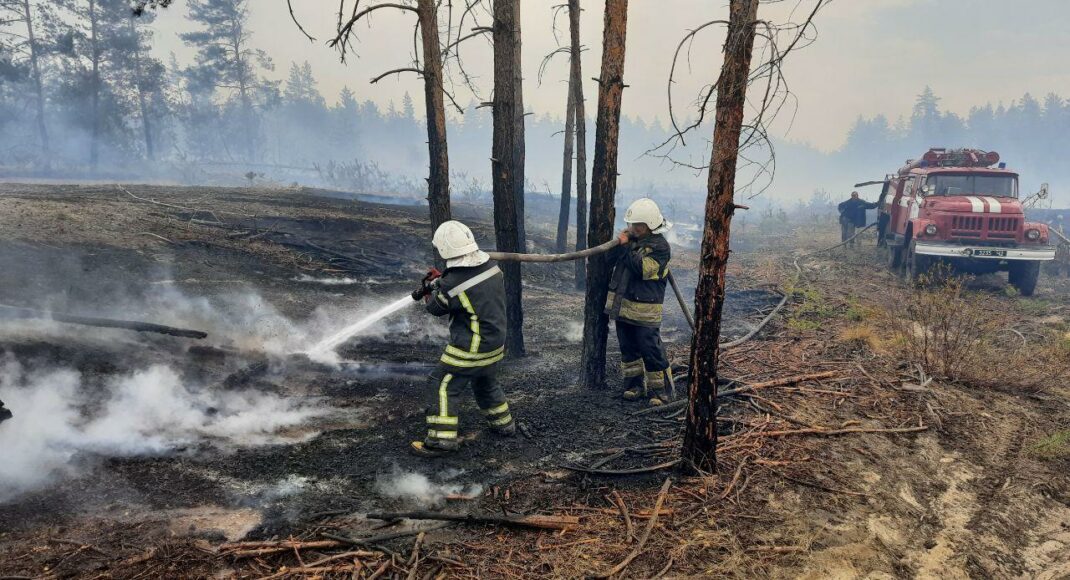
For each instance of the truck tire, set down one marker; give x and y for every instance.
(916, 266)
(1023, 276)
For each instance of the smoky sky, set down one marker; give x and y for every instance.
(870, 56)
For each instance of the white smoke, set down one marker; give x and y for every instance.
(149, 412)
(574, 331)
(420, 490)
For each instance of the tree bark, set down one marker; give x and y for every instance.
(566, 169)
(38, 85)
(518, 148)
(438, 181)
(700, 437)
(603, 191)
(146, 126)
(576, 80)
(503, 165)
(94, 143)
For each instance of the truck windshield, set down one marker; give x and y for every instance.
(992, 185)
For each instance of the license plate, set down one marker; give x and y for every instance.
(992, 253)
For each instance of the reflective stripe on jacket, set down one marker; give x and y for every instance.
(637, 283)
(474, 299)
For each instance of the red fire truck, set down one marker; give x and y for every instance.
(958, 207)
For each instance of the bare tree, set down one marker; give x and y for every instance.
(14, 11)
(730, 139)
(700, 438)
(603, 191)
(566, 168)
(580, 116)
(430, 69)
(508, 117)
(519, 152)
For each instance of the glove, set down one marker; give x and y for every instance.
(427, 285)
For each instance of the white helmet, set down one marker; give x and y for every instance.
(645, 211)
(453, 239)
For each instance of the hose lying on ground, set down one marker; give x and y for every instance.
(9, 312)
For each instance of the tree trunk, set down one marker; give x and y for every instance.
(566, 169)
(576, 80)
(518, 147)
(604, 191)
(503, 165)
(150, 150)
(438, 181)
(700, 437)
(42, 128)
(94, 143)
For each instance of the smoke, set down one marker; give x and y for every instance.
(58, 421)
(574, 331)
(418, 489)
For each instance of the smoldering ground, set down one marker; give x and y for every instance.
(82, 394)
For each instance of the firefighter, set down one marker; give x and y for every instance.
(471, 292)
(636, 292)
(853, 216)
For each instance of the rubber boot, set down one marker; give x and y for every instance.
(433, 448)
(507, 430)
(634, 388)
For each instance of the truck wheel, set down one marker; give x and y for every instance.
(1023, 276)
(916, 266)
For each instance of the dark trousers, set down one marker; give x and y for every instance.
(641, 354)
(847, 231)
(446, 385)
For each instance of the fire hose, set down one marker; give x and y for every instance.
(580, 254)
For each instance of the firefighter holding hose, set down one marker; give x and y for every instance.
(636, 294)
(472, 293)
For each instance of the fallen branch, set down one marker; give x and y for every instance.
(29, 313)
(746, 388)
(635, 471)
(646, 533)
(843, 431)
(629, 530)
(535, 521)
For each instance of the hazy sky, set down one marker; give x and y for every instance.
(871, 56)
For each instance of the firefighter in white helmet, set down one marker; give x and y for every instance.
(472, 293)
(636, 293)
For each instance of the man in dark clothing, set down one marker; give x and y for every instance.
(472, 293)
(853, 216)
(636, 294)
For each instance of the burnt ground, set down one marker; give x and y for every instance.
(966, 496)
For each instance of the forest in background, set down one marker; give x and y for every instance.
(83, 96)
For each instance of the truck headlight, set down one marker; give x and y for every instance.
(1033, 234)
(930, 230)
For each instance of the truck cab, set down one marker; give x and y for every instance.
(955, 207)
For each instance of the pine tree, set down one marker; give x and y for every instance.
(227, 63)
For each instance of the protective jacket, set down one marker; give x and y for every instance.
(474, 299)
(637, 283)
(853, 211)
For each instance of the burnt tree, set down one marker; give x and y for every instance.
(700, 437)
(576, 81)
(508, 116)
(438, 181)
(603, 191)
(430, 69)
(566, 169)
(519, 153)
